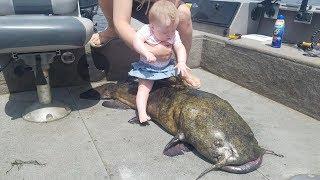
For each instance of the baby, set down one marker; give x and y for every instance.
(163, 19)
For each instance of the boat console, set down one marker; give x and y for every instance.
(289, 75)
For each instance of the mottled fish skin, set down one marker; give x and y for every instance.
(207, 122)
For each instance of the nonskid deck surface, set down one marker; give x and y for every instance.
(94, 142)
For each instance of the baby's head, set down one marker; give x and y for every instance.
(163, 19)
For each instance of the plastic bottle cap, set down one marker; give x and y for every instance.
(280, 16)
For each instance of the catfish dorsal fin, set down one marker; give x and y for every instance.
(94, 93)
(115, 104)
(105, 91)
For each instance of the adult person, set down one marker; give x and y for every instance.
(118, 14)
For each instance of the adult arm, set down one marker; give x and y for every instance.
(121, 18)
(122, 10)
(140, 46)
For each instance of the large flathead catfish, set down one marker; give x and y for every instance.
(200, 119)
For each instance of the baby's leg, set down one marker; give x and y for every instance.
(144, 89)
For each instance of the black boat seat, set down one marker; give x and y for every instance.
(41, 33)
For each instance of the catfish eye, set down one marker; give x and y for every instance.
(218, 143)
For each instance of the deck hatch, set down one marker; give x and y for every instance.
(219, 13)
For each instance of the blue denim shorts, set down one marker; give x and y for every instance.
(143, 70)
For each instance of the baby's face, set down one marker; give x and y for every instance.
(164, 33)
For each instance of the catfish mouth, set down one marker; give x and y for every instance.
(249, 156)
(241, 169)
(245, 168)
(229, 158)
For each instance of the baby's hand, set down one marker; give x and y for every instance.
(150, 57)
(183, 69)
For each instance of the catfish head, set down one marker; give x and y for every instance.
(230, 154)
(230, 149)
(218, 133)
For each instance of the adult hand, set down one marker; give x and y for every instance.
(161, 52)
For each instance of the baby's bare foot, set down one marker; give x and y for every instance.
(144, 118)
(102, 37)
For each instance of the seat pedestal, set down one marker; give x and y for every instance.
(39, 112)
(45, 110)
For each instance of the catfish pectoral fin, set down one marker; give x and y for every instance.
(94, 93)
(115, 104)
(176, 146)
(145, 123)
(178, 149)
(135, 120)
(175, 140)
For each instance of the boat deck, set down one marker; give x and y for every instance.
(95, 142)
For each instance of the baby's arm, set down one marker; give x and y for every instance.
(181, 53)
(139, 46)
(181, 58)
